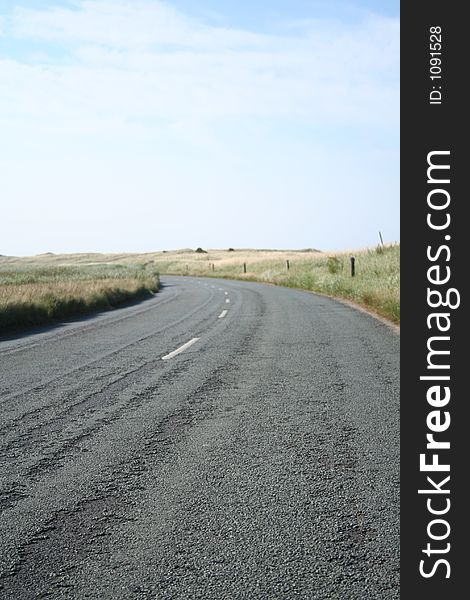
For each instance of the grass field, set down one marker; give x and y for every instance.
(376, 284)
(35, 293)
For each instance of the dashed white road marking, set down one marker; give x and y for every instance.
(180, 349)
(226, 293)
(220, 290)
(222, 314)
(227, 300)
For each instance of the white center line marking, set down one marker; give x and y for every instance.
(227, 300)
(220, 290)
(180, 349)
(226, 293)
(222, 314)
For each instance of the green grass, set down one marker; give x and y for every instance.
(34, 295)
(375, 286)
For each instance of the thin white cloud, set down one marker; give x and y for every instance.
(145, 60)
(121, 24)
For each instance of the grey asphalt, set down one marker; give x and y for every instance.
(261, 462)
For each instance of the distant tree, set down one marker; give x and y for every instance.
(201, 251)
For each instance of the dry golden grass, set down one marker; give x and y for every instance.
(63, 290)
(221, 256)
(32, 295)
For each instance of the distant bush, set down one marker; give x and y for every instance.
(230, 250)
(201, 251)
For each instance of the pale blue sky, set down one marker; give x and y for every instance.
(145, 125)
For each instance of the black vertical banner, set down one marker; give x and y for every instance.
(434, 404)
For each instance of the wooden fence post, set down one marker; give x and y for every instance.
(288, 265)
(244, 267)
(353, 266)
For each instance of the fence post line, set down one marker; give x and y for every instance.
(288, 265)
(244, 267)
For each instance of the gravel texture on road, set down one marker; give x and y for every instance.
(260, 462)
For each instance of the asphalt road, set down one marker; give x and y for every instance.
(262, 461)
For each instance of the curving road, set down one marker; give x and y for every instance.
(259, 459)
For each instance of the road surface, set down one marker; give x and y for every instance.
(222, 440)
